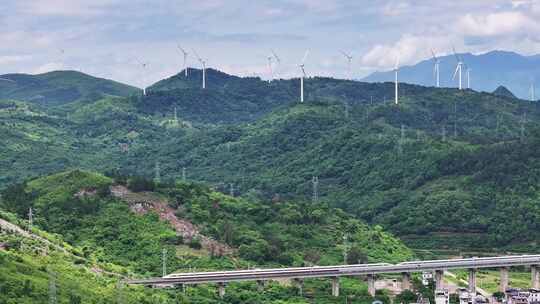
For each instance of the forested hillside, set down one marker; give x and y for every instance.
(441, 164)
(60, 87)
(109, 238)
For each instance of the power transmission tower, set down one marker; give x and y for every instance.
(53, 299)
(455, 119)
(120, 293)
(522, 127)
(443, 133)
(315, 184)
(231, 189)
(345, 247)
(164, 261)
(157, 176)
(184, 174)
(30, 218)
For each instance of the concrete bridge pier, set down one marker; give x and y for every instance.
(504, 279)
(472, 281)
(371, 284)
(535, 276)
(260, 285)
(335, 286)
(439, 279)
(405, 281)
(221, 290)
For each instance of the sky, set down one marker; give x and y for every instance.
(112, 38)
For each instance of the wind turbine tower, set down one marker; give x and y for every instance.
(144, 65)
(185, 53)
(203, 63)
(270, 71)
(468, 77)
(349, 63)
(531, 92)
(436, 69)
(302, 66)
(459, 67)
(396, 69)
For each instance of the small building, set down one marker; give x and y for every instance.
(426, 277)
(534, 296)
(464, 296)
(517, 296)
(442, 296)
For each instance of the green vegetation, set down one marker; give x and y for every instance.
(60, 87)
(105, 232)
(455, 179)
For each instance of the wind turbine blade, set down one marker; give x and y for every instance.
(197, 55)
(275, 56)
(455, 73)
(305, 56)
(433, 53)
(397, 62)
(345, 54)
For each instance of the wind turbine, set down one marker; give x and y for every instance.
(531, 92)
(143, 65)
(270, 71)
(468, 70)
(278, 61)
(436, 69)
(349, 62)
(185, 58)
(203, 63)
(396, 69)
(458, 68)
(302, 65)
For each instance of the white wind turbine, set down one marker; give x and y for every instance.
(532, 93)
(270, 70)
(459, 67)
(302, 66)
(143, 65)
(349, 63)
(468, 70)
(436, 69)
(203, 63)
(185, 53)
(396, 69)
(278, 62)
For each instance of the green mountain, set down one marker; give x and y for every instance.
(444, 168)
(108, 229)
(503, 91)
(60, 87)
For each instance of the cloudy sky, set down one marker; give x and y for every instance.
(108, 38)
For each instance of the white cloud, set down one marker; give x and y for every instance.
(409, 48)
(65, 7)
(495, 24)
(11, 59)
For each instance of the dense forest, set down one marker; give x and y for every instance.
(443, 163)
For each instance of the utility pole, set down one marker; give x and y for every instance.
(184, 174)
(52, 287)
(231, 189)
(164, 261)
(315, 184)
(346, 105)
(175, 117)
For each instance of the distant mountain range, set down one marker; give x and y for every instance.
(60, 87)
(488, 71)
